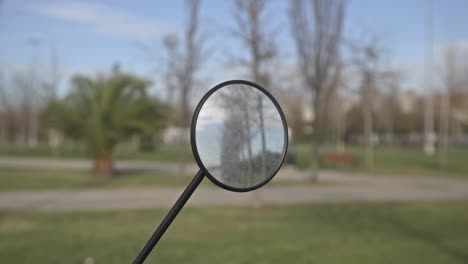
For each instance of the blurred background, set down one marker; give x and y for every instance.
(96, 101)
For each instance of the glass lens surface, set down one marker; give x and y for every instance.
(240, 136)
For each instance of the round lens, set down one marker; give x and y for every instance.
(240, 135)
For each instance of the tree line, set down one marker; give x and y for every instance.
(345, 83)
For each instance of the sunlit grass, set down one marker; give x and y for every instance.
(388, 160)
(28, 179)
(162, 152)
(394, 161)
(323, 233)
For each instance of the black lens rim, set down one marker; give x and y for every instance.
(193, 141)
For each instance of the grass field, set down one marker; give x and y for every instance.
(323, 233)
(388, 160)
(17, 179)
(395, 160)
(163, 153)
(12, 179)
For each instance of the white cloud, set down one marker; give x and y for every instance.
(102, 19)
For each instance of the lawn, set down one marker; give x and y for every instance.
(162, 153)
(12, 179)
(18, 179)
(395, 161)
(388, 160)
(322, 233)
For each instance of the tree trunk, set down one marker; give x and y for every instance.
(21, 131)
(3, 131)
(368, 138)
(314, 170)
(262, 136)
(444, 129)
(316, 136)
(185, 123)
(103, 165)
(368, 126)
(33, 129)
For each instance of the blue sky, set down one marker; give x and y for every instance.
(91, 35)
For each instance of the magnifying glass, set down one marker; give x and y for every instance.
(239, 138)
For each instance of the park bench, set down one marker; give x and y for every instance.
(335, 158)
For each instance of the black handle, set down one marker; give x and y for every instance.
(169, 218)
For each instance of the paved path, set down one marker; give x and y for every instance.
(332, 187)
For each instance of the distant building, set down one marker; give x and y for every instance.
(407, 101)
(176, 135)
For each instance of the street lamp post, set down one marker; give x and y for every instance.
(429, 135)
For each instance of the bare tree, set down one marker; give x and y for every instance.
(5, 109)
(451, 82)
(50, 85)
(192, 59)
(367, 60)
(170, 42)
(390, 106)
(368, 89)
(240, 159)
(21, 99)
(250, 29)
(250, 18)
(317, 29)
(293, 107)
(3, 104)
(458, 95)
(50, 93)
(429, 135)
(33, 93)
(182, 62)
(336, 116)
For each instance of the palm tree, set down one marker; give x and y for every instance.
(104, 110)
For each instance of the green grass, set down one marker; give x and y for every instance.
(17, 179)
(42, 150)
(162, 153)
(388, 160)
(323, 233)
(398, 161)
(12, 179)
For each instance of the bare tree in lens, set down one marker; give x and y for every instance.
(232, 143)
(251, 30)
(242, 136)
(317, 29)
(239, 130)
